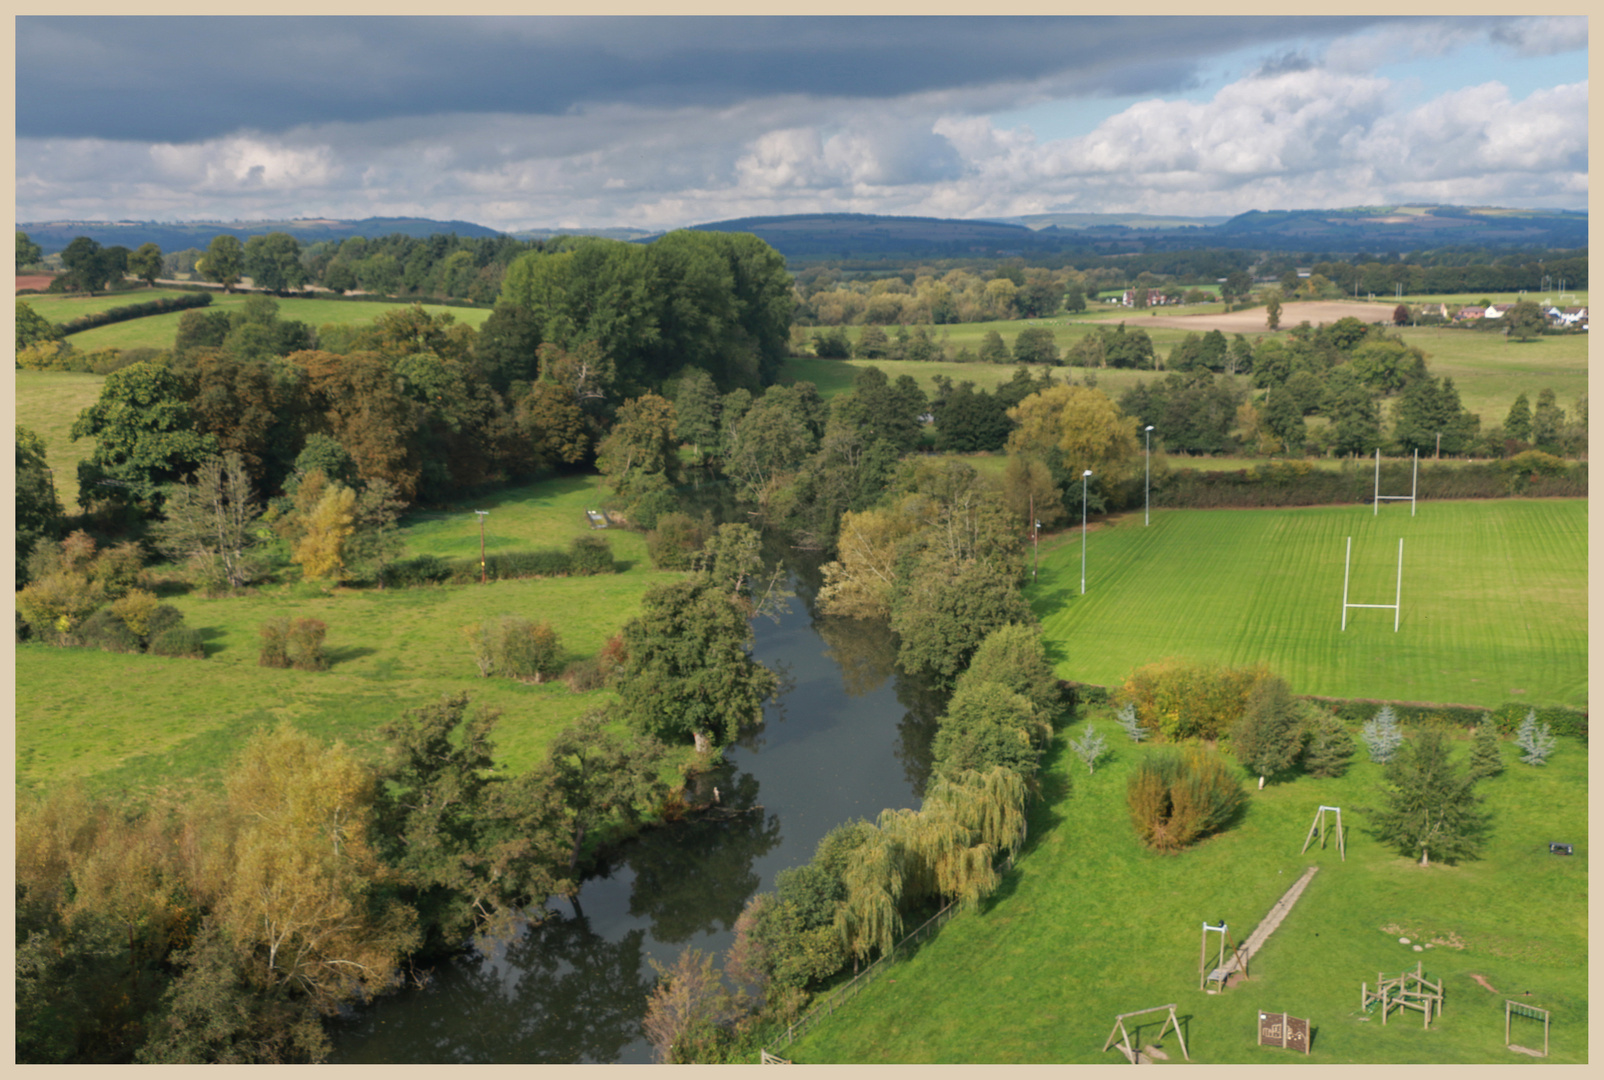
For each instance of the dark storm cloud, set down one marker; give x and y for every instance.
(181, 79)
(1281, 65)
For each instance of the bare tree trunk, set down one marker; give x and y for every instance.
(704, 742)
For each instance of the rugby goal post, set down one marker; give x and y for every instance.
(1414, 486)
(1397, 596)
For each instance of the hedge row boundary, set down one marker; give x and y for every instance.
(128, 312)
(1507, 718)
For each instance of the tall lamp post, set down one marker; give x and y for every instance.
(1147, 481)
(1083, 477)
(482, 515)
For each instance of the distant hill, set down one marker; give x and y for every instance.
(1130, 221)
(176, 236)
(1336, 233)
(610, 233)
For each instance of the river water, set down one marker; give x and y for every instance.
(847, 738)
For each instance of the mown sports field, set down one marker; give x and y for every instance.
(1494, 598)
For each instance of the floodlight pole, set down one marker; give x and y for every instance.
(1347, 561)
(1375, 503)
(1414, 483)
(482, 515)
(1147, 482)
(1083, 477)
(1035, 530)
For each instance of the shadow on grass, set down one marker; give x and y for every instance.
(349, 652)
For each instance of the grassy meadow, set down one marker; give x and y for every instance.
(47, 402)
(1494, 598)
(158, 331)
(1091, 924)
(153, 725)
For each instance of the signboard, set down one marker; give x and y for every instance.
(1288, 1032)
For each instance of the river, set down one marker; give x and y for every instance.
(847, 738)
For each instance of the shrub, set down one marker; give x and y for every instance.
(178, 641)
(105, 631)
(135, 609)
(418, 570)
(515, 648)
(1382, 736)
(1183, 700)
(1536, 740)
(585, 675)
(275, 643)
(673, 544)
(304, 644)
(165, 617)
(1177, 799)
(591, 555)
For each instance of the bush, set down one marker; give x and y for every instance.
(1183, 700)
(591, 555)
(178, 641)
(304, 644)
(585, 675)
(515, 648)
(1486, 759)
(673, 544)
(1177, 799)
(275, 643)
(105, 631)
(418, 570)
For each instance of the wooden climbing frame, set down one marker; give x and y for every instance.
(1516, 1008)
(1319, 824)
(1408, 990)
(1125, 1045)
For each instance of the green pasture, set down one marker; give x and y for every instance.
(158, 331)
(1091, 925)
(148, 724)
(1494, 598)
(60, 308)
(48, 402)
(1490, 370)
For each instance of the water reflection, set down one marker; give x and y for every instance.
(850, 738)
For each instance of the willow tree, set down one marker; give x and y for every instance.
(870, 918)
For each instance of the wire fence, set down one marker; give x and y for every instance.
(846, 992)
(838, 997)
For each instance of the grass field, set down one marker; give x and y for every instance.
(1092, 925)
(158, 331)
(1494, 598)
(60, 308)
(48, 402)
(147, 724)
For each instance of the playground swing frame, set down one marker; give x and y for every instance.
(1319, 823)
(1124, 1045)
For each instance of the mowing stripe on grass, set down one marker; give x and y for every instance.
(1493, 599)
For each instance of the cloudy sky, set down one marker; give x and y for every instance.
(523, 122)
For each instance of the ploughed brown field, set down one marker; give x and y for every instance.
(34, 281)
(1243, 322)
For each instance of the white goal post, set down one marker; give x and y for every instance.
(1414, 486)
(1397, 601)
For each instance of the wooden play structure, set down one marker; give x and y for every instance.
(1319, 825)
(1408, 990)
(1127, 1045)
(1515, 1008)
(1220, 970)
